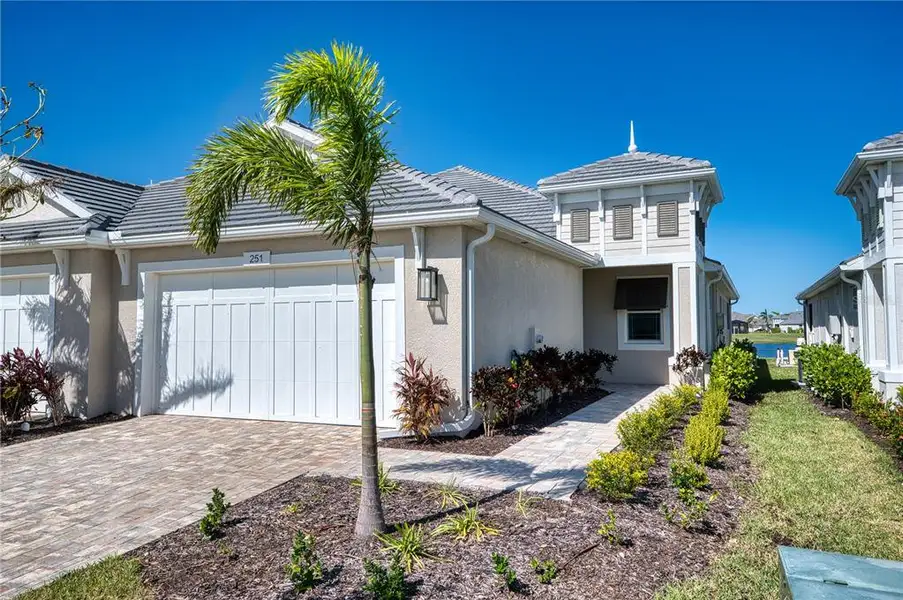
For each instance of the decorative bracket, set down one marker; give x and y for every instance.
(62, 266)
(125, 265)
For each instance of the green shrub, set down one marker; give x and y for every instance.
(495, 396)
(212, 522)
(685, 473)
(617, 475)
(304, 569)
(834, 375)
(688, 395)
(669, 407)
(408, 546)
(501, 565)
(385, 584)
(745, 344)
(702, 439)
(642, 430)
(545, 570)
(689, 511)
(886, 417)
(466, 524)
(734, 368)
(715, 403)
(610, 531)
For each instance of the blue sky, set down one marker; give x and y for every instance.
(778, 96)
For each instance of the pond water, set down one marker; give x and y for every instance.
(771, 350)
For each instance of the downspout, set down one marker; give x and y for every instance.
(469, 421)
(859, 324)
(709, 319)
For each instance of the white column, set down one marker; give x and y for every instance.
(868, 293)
(890, 308)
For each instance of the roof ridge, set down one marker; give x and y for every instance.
(500, 180)
(433, 183)
(162, 181)
(77, 172)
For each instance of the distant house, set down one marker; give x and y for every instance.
(859, 302)
(791, 322)
(739, 326)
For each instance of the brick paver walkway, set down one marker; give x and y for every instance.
(69, 500)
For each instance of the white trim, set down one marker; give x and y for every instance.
(637, 260)
(694, 305)
(601, 219)
(890, 308)
(55, 198)
(28, 270)
(644, 221)
(124, 256)
(148, 302)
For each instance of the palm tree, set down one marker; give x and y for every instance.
(330, 188)
(767, 317)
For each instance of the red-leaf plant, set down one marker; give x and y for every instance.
(25, 379)
(422, 395)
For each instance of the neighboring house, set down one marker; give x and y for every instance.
(859, 303)
(790, 322)
(610, 255)
(739, 326)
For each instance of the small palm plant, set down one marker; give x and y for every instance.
(466, 525)
(329, 188)
(407, 545)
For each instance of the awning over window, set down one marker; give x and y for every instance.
(647, 293)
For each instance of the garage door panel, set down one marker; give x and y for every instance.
(277, 343)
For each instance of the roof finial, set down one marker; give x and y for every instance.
(632, 147)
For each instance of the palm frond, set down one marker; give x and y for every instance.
(252, 160)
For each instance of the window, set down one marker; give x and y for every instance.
(623, 222)
(644, 326)
(667, 219)
(643, 315)
(580, 225)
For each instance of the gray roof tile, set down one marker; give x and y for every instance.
(894, 140)
(50, 229)
(630, 164)
(519, 202)
(161, 207)
(108, 197)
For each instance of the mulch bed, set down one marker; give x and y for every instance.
(44, 428)
(864, 425)
(247, 562)
(476, 443)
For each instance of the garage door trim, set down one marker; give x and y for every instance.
(148, 281)
(50, 271)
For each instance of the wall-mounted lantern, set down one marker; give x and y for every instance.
(428, 284)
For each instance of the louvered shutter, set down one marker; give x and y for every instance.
(623, 222)
(580, 225)
(667, 219)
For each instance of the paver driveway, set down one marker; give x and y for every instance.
(72, 499)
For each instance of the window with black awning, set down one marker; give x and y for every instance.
(646, 293)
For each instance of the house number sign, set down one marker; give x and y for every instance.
(260, 257)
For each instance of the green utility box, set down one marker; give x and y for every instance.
(814, 575)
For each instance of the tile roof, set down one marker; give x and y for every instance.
(49, 229)
(108, 197)
(519, 202)
(161, 207)
(894, 140)
(629, 164)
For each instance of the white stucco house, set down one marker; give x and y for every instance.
(859, 303)
(609, 255)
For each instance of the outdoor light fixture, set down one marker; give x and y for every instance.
(428, 284)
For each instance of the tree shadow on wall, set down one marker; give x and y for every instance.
(69, 335)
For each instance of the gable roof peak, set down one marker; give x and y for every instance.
(496, 179)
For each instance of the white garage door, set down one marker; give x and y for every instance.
(24, 303)
(272, 344)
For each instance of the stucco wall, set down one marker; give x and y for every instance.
(432, 330)
(82, 328)
(519, 289)
(601, 326)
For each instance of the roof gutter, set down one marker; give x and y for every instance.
(707, 172)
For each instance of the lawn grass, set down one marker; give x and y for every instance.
(113, 578)
(821, 484)
(764, 337)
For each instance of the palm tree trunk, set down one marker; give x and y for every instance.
(370, 515)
